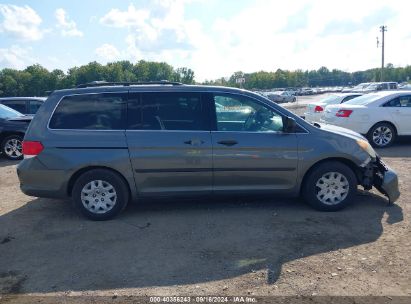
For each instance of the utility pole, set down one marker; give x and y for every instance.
(383, 29)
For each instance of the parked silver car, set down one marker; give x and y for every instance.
(281, 96)
(105, 145)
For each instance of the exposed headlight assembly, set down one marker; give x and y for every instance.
(365, 145)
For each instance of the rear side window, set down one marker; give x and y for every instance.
(402, 101)
(18, 105)
(106, 111)
(167, 111)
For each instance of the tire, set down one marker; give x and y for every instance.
(333, 172)
(11, 147)
(106, 186)
(382, 135)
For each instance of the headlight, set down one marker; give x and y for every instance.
(365, 145)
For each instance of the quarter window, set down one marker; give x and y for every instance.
(239, 113)
(167, 111)
(104, 111)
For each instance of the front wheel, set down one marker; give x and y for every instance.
(330, 186)
(11, 147)
(381, 135)
(100, 194)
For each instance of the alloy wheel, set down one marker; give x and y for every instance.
(13, 148)
(382, 136)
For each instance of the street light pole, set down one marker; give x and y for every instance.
(383, 29)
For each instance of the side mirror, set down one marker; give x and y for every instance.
(289, 125)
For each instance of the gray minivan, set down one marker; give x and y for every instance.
(106, 144)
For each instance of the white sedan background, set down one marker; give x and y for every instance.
(315, 109)
(381, 116)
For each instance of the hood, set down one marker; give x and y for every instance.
(23, 118)
(341, 131)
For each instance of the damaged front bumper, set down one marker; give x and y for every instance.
(383, 178)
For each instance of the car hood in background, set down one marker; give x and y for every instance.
(21, 118)
(341, 131)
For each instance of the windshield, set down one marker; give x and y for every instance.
(364, 100)
(361, 86)
(373, 86)
(6, 112)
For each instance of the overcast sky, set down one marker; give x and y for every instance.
(213, 37)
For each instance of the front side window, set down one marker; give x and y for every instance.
(167, 111)
(18, 105)
(240, 113)
(105, 111)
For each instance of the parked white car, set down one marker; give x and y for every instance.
(315, 109)
(358, 88)
(380, 116)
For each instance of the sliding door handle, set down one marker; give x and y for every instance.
(228, 142)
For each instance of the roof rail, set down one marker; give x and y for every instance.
(104, 83)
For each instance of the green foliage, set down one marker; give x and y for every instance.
(35, 80)
(322, 77)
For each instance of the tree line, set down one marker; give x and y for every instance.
(322, 77)
(36, 80)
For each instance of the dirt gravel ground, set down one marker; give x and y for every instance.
(255, 247)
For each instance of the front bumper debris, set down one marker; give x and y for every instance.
(383, 178)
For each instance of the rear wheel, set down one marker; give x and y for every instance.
(100, 194)
(382, 135)
(330, 186)
(11, 147)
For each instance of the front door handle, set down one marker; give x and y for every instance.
(228, 142)
(194, 142)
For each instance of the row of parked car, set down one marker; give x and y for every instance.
(368, 87)
(380, 116)
(15, 116)
(287, 94)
